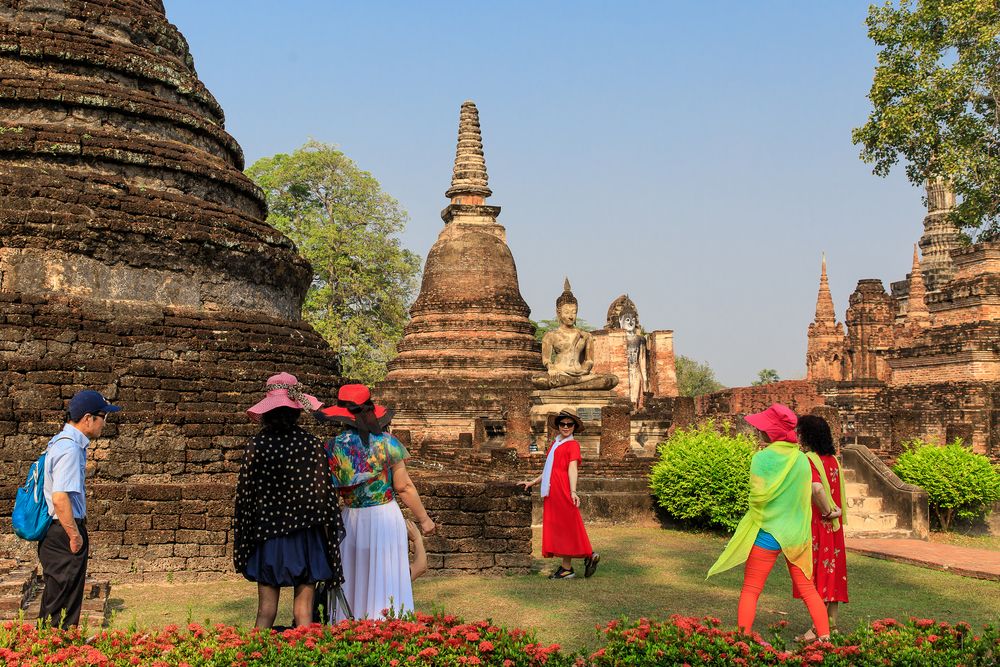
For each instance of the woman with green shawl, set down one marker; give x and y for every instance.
(778, 521)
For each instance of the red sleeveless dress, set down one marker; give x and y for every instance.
(563, 533)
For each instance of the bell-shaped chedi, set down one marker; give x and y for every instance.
(469, 342)
(135, 260)
(469, 320)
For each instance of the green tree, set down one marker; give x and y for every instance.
(695, 378)
(346, 226)
(766, 376)
(936, 101)
(542, 327)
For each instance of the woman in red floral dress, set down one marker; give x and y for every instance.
(563, 534)
(829, 554)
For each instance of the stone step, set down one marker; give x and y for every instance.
(864, 504)
(613, 484)
(867, 522)
(855, 489)
(606, 507)
(894, 533)
(850, 475)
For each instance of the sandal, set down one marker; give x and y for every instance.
(590, 564)
(562, 573)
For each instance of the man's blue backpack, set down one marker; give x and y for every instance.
(31, 513)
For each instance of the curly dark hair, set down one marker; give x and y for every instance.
(815, 434)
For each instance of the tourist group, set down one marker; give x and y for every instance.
(309, 512)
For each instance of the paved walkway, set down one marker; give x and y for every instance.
(968, 562)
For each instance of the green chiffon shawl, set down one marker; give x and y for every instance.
(780, 503)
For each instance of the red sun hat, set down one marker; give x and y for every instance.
(778, 421)
(283, 391)
(353, 395)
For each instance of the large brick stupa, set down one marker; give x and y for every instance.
(469, 344)
(134, 259)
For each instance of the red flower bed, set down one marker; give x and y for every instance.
(446, 640)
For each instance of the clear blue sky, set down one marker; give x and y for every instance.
(696, 155)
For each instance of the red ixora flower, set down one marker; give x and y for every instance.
(485, 646)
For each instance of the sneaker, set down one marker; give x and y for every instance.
(590, 564)
(563, 573)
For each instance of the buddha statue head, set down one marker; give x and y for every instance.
(566, 306)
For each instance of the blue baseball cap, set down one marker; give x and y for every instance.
(88, 401)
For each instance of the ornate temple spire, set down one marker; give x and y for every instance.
(940, 235)
(916, 309)
(825, 314)
(469, 181)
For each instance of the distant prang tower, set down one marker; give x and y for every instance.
(469, 344)
(135, 260)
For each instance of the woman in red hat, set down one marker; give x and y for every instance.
(366, 464)
(287, 529)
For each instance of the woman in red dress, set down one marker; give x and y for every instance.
(563, 534)
(829, 554)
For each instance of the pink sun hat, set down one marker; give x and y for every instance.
(778, 421)
(283, 391)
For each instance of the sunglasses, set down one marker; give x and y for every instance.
(101, 415)
(561, 424)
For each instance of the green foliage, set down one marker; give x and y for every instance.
(958, 482)
(703, 476)
(766, 376)
(346, 226)
(695, 378)
(935, 99)
(542, 327)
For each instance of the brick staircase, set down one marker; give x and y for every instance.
(21, 594)
(866, 514)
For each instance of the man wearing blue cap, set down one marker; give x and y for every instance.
(63, 551)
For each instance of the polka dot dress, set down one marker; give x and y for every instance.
(284, 487)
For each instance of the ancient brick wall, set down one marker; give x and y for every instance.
(800, 395)
(483, 527)
(161, 477)
(662, 366)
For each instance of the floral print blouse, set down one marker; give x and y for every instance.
(363, 474)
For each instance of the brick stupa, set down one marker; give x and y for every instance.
(134, 259)
(469, 343)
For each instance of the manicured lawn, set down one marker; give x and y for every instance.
(645, 571)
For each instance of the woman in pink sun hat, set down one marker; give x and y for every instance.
(778, 521)
(287, 526)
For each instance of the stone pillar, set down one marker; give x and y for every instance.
(611, 357)
(662, 371)
(616, 431)
(517, 427)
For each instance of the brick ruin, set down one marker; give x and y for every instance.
(135, 259)
(468, 352)
(920, 361)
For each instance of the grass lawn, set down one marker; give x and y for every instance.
(644, 571)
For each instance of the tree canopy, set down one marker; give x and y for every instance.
(542, 327)
(766, 376)
(936, 101)
(695, 378)
(346, 226)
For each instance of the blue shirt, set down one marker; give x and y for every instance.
(765, 540)
(66, 469)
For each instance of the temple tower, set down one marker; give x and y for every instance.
(869, 322)
(917, 315)
(940, 235)
(825, 350)
(135, 260)
(469, 336)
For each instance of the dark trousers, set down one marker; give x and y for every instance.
(64, 574)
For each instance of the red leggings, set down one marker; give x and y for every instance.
(758, 566)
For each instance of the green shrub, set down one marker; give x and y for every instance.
(958, 482)
(703, 476)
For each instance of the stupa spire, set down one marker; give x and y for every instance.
(825, 313)
(469, 181)
(940, 235)
(916, 309)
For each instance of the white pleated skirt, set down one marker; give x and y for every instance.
(376, 562)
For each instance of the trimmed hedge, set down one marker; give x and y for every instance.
(959, 483)
(703, 476)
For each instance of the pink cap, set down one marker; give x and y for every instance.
(283, 391)
(778, 421)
